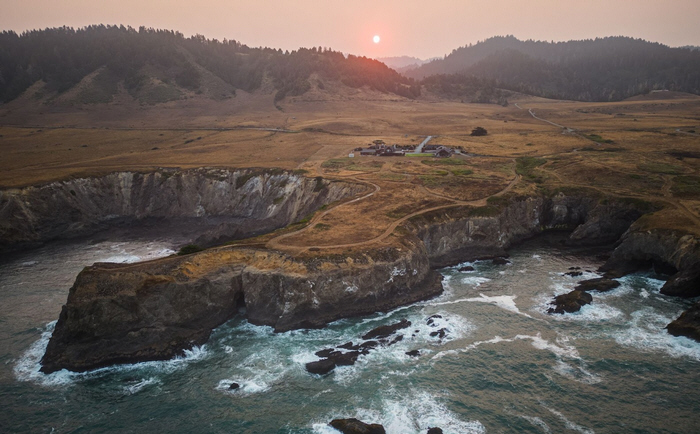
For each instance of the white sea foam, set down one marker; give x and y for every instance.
(28, 365)
(140, 385)
(646, 332)
(506, 302)
(406, 413)
(475, 281)
(417, 336)
(568, 423)
(560, 349)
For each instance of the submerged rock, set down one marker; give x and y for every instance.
(467, 268)
(500, 261)
(355, 426)
(571, 302)
(387, 330)
(234, 386)
(413, 353)
(600, 284)
(688, 324)
(434, 431)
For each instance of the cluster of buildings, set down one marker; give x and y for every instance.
(379, 149)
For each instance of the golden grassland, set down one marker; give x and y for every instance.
(646, 148)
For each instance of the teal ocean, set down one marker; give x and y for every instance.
(504, 365)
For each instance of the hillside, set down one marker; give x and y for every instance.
(604, 69)
(92, 65)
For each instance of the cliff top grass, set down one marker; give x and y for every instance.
(648, 155)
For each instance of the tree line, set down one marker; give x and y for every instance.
(602, 69)
(62, 57)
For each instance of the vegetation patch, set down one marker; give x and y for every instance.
(322, 227)
(686, 186)
(660, 167)
(392, 176)
(485, 211)
(598, 139)
(189, 249)
(462, 172)
(444, 162)
(357, 165)
(526, 166)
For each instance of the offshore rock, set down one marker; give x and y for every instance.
(600, 284)
(688, 324)
(387, 330)
(571, 302)
(354, 426)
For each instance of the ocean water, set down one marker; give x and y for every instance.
(504, 365)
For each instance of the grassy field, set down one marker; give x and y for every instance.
(640, 148)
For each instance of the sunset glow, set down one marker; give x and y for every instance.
(376, 39)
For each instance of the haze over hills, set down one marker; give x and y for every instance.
(156, 66)
(603, 69)
(96, 64)
(404, 63)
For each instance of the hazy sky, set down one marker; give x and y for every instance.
(424, 28)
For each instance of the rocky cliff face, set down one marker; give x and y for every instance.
(118, 313)
(154, 310)
(223, 204)
(460, 234)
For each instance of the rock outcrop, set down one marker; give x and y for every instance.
(688, 324)
(222, 204)
(570, 302)
(149, 311)
(355, 426)
(460, 234)
(111, 313)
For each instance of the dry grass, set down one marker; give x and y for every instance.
(638, 148)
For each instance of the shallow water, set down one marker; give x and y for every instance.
(504, 366)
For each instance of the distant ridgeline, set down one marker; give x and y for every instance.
(157, 65)
(604, 69)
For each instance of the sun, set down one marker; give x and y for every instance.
(376, 39)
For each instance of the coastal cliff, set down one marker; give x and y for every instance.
(154, 310)
(222, 204)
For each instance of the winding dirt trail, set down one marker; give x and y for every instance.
(276, 243)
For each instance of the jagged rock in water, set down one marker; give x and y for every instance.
(413, 353)
(573, 273)
(600, 284)
(434, 431)
(688, 324)
(500, 261)
(320, 367)
(684, 283)
(431, 320)
(234, 386)
(439, 334)
(387, 330)
(571, 302)
(354, 426)
(324, 353)
(465, 269)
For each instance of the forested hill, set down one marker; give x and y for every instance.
(604, 69)
(159, 65)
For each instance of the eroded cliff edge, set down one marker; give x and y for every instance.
(154, 310)
(222, 204)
